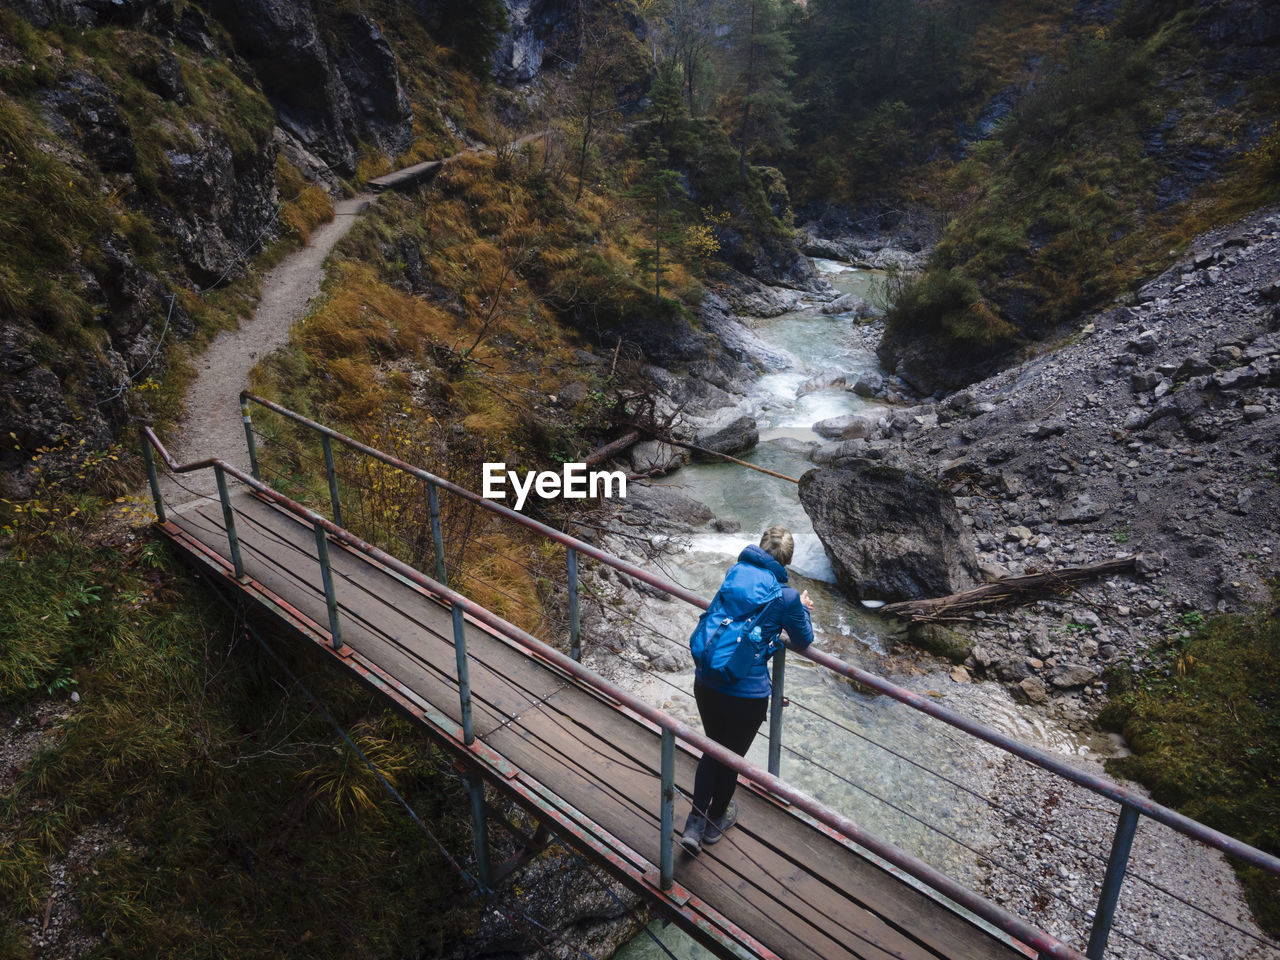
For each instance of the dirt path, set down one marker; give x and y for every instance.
(212, 426)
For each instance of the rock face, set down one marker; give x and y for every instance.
(530, 23)
(891, 534)
(328, 98)
(199, 182)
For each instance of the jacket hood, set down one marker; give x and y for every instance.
(757, 557)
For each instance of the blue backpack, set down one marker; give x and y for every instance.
(727, 646)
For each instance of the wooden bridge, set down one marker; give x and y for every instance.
(603, 771)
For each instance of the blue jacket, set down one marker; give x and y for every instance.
(744, 584)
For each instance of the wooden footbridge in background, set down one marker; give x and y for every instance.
(604, 772)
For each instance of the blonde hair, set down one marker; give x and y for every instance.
(779, 544)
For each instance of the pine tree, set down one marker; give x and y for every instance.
(659, 194)
(766, 58)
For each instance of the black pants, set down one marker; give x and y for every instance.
(731, 722)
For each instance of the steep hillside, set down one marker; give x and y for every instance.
(1065, 151)
(151, 152)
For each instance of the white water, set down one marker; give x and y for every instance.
(862, 779)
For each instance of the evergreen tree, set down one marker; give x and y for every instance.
(765, 57)
(659, 194)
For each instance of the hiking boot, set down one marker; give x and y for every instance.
(691, 837)
(716, 826)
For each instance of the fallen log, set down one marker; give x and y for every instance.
(1006, 589)
(601, 454)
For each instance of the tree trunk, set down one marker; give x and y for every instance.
(1018, 589)
(746, 99)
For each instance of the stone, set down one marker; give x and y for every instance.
(666, 507)
(732, 434)
(1082, 508)
(1144, 380)
(848, 427)
(654, 456)
(1069, 675)
(960, 675)
(868, 385)
(849, 303)
(332, 88)
(1254, 411)
(838, 450)
(1146, 343)
(892, 534)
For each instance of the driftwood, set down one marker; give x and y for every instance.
(1005, 589)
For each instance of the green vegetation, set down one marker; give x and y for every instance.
(197, 802)
(1204, 725)
(1061, 208)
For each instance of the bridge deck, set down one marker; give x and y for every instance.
(786, 883)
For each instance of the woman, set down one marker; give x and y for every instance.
(732, 710)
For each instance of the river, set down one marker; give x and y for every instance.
(842, 746)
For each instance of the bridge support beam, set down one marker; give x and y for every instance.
(332, 473)
(464, 682)
(229, 518)
(575, 622)
(437, 542)
(776, 702)
(1112, 881)
(326, 577)
(153, 478)
(250, 440)
(480, 828)
(667, 843)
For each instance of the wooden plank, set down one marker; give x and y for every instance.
(785, 882)
(399, 612)
(418, 652)
(742, 874)
(408, 177)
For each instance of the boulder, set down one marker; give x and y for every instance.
(731, 434)
(654, 456)
(838, 450)
(851, 426)
(869, 384)
(1068, 675)
(666, 508)
(892, 534)
(1033, 689)
(849, 303)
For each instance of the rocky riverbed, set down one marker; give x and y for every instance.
(1150, 431)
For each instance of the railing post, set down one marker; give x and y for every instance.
(229, 518)
(775, 711)
(250, 440)
(575, 625)
(464, 684)
(326, 577)
(480, 832)
(437, 542)
(1112, 881)
(667, 843)
(332, 474)
(153, 478)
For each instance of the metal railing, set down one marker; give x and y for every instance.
(1132, 805)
